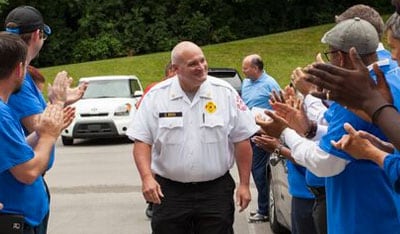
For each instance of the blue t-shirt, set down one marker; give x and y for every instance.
(313, 180)
(360, 199)
(29, 200)
(297, 181)
(29, 101)
(257, 93)
(385, 54)
(391, 165)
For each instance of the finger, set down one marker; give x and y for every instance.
(336, 144)
(272, 115)
(276, 96)
(319, 59)
(281, 96)
(355, 58)
(349, 129)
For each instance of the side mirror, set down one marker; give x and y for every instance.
(137, 93)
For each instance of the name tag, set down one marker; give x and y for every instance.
(169, 114)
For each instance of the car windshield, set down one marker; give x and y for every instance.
(108, 89)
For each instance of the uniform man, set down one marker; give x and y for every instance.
(188, 132)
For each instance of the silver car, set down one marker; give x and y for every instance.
(279, 198)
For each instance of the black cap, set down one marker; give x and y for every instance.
(26, 19)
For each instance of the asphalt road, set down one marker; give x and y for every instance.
(96, 189)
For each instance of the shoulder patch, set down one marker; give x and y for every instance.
(240, 103)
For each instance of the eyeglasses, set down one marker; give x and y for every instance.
(326, 53)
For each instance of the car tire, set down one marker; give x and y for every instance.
(276, 227)
(67, 140)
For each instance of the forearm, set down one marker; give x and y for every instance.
(29, 171)
(243, 156)
(142, 157)
(30, 122)
(308, 154)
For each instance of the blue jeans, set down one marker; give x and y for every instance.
(259, 173)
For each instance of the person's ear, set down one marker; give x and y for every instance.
(36, 35)
(20, 69)
(342, 58)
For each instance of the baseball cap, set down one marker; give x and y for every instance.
(354, 32)
(27, 19)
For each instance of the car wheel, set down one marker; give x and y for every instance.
(276, 227)
(67, 140)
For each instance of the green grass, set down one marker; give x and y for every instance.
(281, 52)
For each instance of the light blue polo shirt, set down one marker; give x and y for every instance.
(257, 93)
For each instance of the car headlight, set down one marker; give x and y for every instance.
(123, 110)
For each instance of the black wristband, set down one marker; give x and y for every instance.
(378, 111)
(312, 131)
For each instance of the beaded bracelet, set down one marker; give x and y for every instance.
(378, 111)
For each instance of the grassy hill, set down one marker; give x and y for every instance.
(281, 52)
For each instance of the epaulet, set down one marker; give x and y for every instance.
(162, 85)
(219, 82)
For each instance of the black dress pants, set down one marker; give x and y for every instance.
(198, 208)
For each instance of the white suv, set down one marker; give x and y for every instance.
(106, 108)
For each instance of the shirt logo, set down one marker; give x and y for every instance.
(210, 107)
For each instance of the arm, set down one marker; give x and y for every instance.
(150, 188)
(308, 154)
(48, 129)
(270, 144)
(243, 155)
(30, 122)
(360, 147)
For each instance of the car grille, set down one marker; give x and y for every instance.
(86, 130)
(94, 115)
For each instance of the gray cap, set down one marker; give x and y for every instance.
(354, 32)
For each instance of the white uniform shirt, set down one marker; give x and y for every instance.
(192, 141)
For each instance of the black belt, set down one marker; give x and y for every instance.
(317, 191)
(158, 177)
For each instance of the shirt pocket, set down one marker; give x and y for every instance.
(212, 130)
(171, 130)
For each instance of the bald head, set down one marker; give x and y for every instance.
(182, 49)
(190, 65)
(252, 66)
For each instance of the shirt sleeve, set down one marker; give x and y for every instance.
(308, 154)
(140, 128)
(391, 166)
(244, 124)
(25, 102)
(315, 108)
(14, 149)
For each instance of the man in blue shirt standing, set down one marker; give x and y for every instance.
(28, 104)
(256, 90)
(23, 161)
